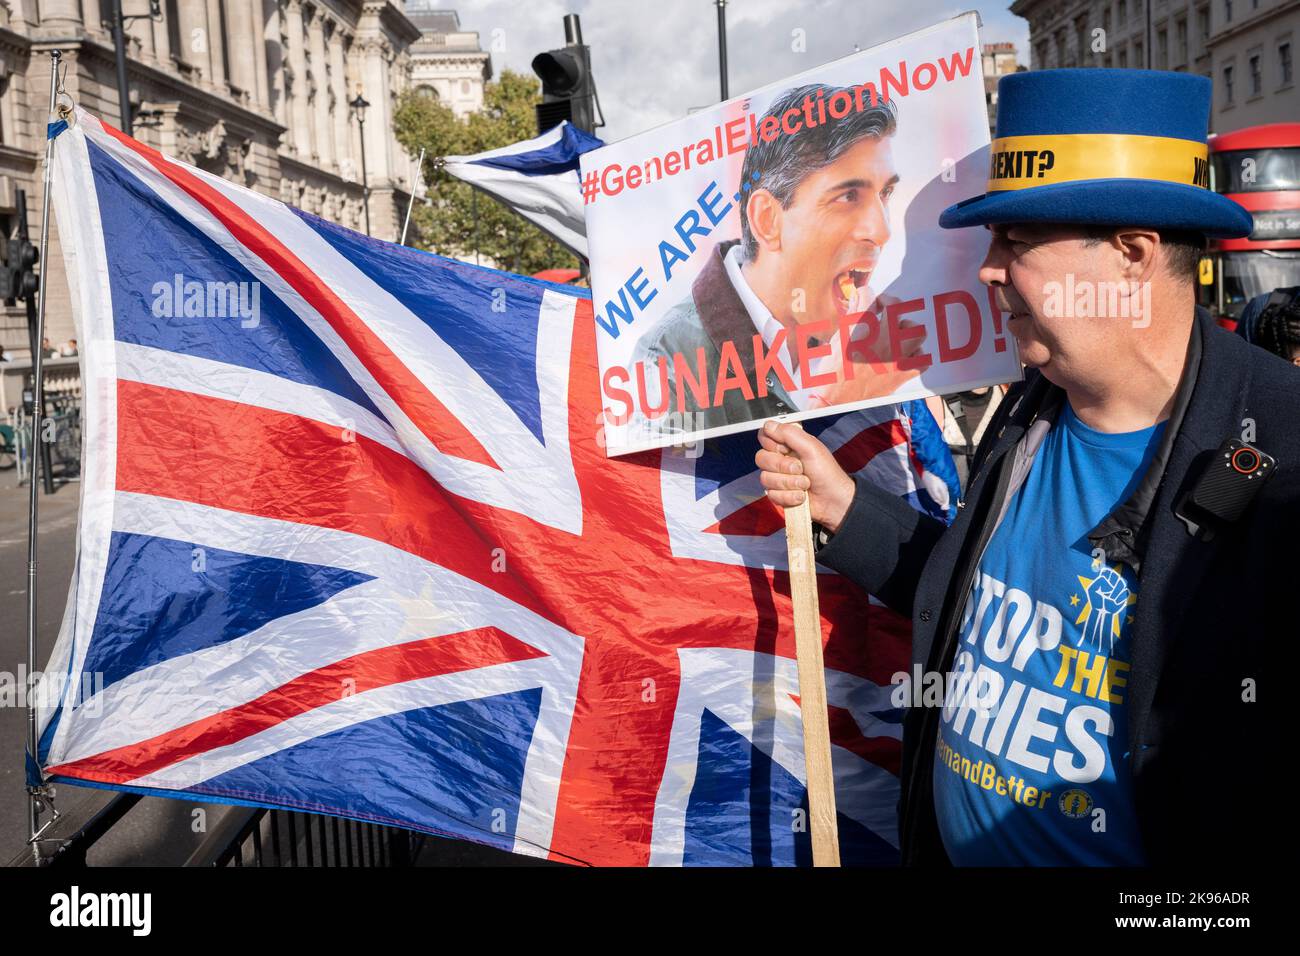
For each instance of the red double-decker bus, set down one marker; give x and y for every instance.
(1259, 167)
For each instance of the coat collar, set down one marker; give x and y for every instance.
(1123, 534)
(1215, 409)
(722, 315)
(1208, 407)
(724, 318)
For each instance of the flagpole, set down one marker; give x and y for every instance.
(415, 187)
(473, 199)
(38, 385)
(812, 685)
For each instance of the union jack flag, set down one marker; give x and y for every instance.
(350, 544)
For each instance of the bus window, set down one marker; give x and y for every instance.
(1246, 275)
(1256, 170)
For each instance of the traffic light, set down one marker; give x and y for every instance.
(568, 90)
(17, 280)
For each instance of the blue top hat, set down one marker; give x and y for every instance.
(1102, 147)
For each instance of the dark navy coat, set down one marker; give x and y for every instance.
(1208, 769)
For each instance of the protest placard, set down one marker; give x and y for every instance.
(780, 254)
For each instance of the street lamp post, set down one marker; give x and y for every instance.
(119, 50)
(359, 106)
(116, 24)
(722, 45)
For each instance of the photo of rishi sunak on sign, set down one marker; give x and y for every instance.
(780, 254)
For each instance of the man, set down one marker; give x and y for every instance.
(812, 230)
(1100, 642)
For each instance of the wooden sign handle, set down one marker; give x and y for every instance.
(812, 685)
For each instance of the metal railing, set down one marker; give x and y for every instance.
(244, 836)
(252, 836)
(62, 431)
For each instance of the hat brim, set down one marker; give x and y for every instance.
(1107, 202)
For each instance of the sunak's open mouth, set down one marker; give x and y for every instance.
(850, 287)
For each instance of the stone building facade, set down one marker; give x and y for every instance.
(1247, 47)
(997, 60)
(1253, 45)
(447, 62)
(256, 91)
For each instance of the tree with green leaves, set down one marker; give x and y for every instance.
(446, 225)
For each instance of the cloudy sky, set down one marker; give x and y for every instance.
(654, 60)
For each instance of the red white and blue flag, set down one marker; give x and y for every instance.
(536, 178)
(349, 544)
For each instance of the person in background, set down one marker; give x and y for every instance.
(964, 417)
(1272, 321)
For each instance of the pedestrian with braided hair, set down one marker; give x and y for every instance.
(1277, 327)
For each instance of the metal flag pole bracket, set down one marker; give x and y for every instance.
(40, 793)
(43, 797)
(62, 88)
(66, 108)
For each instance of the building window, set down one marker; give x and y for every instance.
(1123, 59)
(1181, 29)
(1227, 10)
(1203, 25)
(1227, 86)
(173, 29)
(1122, 16)
(1139, 60)
(1284, 63)
(1256, 76)
(1162, 49)
(225, 40)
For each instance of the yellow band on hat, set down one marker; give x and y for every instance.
(1021, 162)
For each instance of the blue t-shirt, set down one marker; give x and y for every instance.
(1032, 763)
